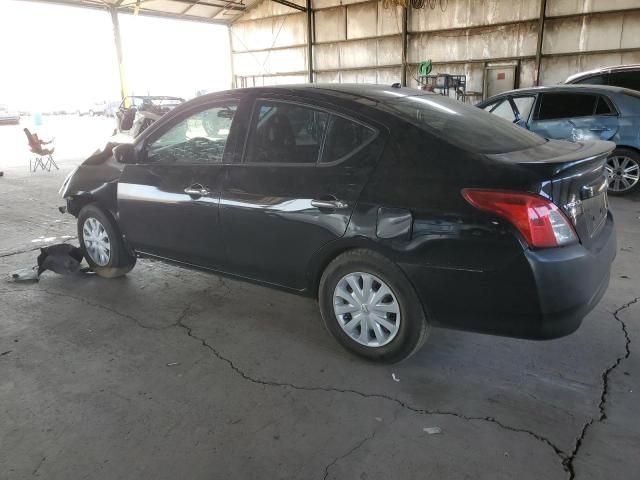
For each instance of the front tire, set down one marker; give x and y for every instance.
(623, 171)
(102, 243)
(370, 307)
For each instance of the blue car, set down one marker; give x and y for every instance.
(578, 113)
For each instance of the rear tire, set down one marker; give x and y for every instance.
(623, 170)
(102, 243)
(385, 307)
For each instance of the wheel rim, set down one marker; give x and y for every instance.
(623, 173)
(96, 241)
(366, 309)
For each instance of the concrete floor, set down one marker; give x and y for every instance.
(169, 373)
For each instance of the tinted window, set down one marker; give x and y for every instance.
(603, 107)
(566, 105)
(343, 138)
(594, 80)
(285, 133)
(504, 110)
(464, 125)
(524, 105)
(200, 138)
(630, 79)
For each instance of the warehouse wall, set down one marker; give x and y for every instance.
(360, 41)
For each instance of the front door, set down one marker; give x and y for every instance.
(294, 189)
(169, 204)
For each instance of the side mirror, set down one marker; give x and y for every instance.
(125, 153)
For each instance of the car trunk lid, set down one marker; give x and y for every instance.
(576, 179)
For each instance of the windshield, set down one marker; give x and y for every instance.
(468, 127)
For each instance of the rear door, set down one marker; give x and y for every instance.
(169, 203)
(294, 188)
(574, 116)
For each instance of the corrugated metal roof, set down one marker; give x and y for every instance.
(215, 11)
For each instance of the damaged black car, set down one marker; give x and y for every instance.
(397, 209)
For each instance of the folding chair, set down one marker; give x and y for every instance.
(43, 156)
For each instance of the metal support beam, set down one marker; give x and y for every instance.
(541, 19)
(405, 40)
(310, 35)
(292, 5)
(116, 37)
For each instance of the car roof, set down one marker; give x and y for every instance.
(602, 89)
(376, 92)
(595, 71)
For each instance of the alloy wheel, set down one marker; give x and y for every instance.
(96, 241)
(623, 173)
(366, 309)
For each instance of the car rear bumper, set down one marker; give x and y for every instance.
(542, 294)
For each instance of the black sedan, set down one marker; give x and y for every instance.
(397, 209)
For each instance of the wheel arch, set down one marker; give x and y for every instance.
(329, 252)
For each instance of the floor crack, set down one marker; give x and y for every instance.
(568, 462)
(189, 330)
(354, 449)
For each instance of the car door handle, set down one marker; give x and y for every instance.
(329, 204)
(197, 190)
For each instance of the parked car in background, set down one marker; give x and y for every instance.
(577, 113)
(8, 115)
(397, 209)
(136, 113)
(626, 76)
(98, 108)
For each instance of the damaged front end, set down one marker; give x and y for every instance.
(95, 180)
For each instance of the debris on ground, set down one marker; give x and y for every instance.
(395, 378)
(379, 419)
(61, 258)
(432, 430)
(25, 275)
(173, 364)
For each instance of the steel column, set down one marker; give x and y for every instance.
(310, 35)
(405, 40)
(116, 37)
(541, 19)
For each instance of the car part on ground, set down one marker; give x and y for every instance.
(578, 113)
(456, 218)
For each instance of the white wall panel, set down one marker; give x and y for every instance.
(330, 25)
(272, 32)
(593, 33)
(270, 62)
(499, 42)
(362, 20)
(568, 7)
(472, 13)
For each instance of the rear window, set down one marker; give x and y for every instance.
(468, 127)
(628, 79)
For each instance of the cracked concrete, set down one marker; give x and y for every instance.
(169, 373)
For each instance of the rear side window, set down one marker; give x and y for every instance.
(629, 79)
(504, 110)
(566, 105)
(603, 107)
(344, 137)
(524, 105)
(463, 125)
(285, 133)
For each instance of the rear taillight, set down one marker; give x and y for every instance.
(539, 221)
